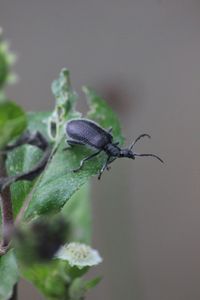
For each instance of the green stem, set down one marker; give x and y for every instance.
(6, 208)
(7, 217)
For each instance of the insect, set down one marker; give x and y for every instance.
(88, 133)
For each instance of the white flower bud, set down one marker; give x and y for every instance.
(79, 255)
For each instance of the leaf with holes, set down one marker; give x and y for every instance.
(58, 182)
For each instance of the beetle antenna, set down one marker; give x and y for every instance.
(149, 154)
(138, 138)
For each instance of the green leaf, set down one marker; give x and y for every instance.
(24, 158)
(78, 214)
(8, 275)
(51, 279)
(6, 61)
(77, 289)
(65, 105)
(101, 113)
(4, 69)
(55, 279)
(65, 96)
(58, 182)
(12, 121)
(92, 283)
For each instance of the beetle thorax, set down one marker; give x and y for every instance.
(112, 150)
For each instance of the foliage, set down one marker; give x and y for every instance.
(12, 121)
(7, 59)
(56, 192)
(9, 274)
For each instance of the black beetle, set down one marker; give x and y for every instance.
(88, 133)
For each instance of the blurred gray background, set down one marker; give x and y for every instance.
(143, 56)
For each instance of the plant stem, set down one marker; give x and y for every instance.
(7, 217)
(6, 207)
(14, 295)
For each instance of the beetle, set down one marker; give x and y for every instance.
(88, 133)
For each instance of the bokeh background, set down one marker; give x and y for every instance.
(143, 56)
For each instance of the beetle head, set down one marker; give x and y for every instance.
(130, 154)
(127, 153)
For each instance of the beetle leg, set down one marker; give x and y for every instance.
(72, 143)
(110, 130)
(149, 154)
(115, 144)
(109, 162)
(108, 168)
(105, 166)
(112, 159)
(85, 159)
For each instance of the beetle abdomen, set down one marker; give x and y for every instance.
(88, 132)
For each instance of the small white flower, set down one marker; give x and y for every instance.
(79, 255)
